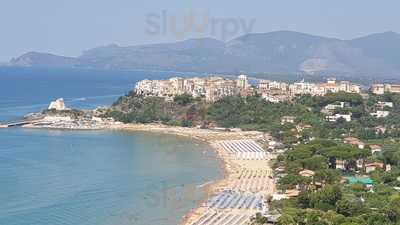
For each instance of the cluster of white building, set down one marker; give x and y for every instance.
(380, 89)
(279, 91)
(382, 109)
(210, 88)
(214, 88)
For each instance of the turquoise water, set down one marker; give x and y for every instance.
(50, 177)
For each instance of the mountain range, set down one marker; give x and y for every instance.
(280, 52)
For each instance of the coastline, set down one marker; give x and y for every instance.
(210, 137)
(205, 135)
(230, 167)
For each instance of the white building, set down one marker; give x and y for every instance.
(57, 119)
(278, 85)
(336, 117)
(348, 87)
(345, 86)
(375, 149)
(378, 89)
(263, 86)
(380, 114)
(384, 104)
(341, 105)
(302, 88)
(177, 85)
(144, 87)
(274, 98)
(57, 105)
(242, 82)
(288, 119)
(219, 88)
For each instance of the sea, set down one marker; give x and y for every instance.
(60, 177)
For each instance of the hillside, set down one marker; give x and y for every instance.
(281, 52)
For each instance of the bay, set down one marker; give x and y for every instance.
(92, 177)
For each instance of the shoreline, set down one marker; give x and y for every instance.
(211, 138)
(229, 167)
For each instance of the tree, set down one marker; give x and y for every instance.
(286, 220)
(260, 219)
(332, 218)
(315, 163)
(183, 99)
(203, 111)
(376, 218)
(290, 181)
(351, 223)
(301, 152)
(313, 217)
(358, 188)
(393, 209)
(392, 156)
(342, 152)
(349, 208)
(304, 200)
(327, 176)
(326, 198)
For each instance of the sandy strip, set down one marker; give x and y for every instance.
(200, 134)
(232, 167)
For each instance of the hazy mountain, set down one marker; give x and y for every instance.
(37, 59)
(190, 55)
(275, 52)
(384, 47)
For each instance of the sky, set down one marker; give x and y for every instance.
(68, 27)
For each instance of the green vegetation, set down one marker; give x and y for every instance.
(324, 199)
(73, 113)
(334, 205)
(183, 111)
(254, 113)
(183, 100)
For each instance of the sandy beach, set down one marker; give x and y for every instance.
(250, 177)
(200, 134)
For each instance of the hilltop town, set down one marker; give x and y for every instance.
(215, 88)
